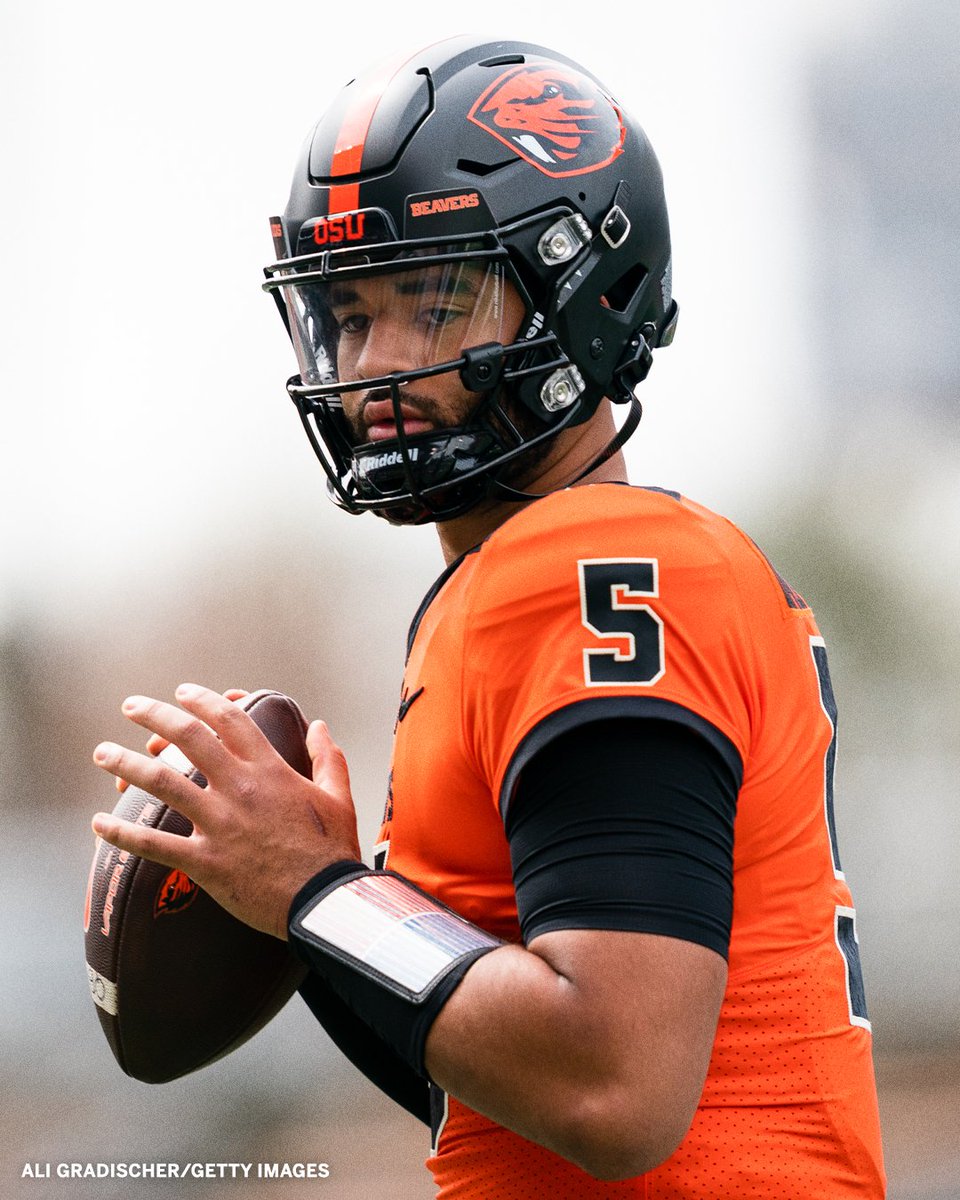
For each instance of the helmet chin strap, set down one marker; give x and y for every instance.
(616, 442)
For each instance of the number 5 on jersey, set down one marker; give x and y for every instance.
(612, 607)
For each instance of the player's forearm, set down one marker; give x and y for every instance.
(593, 1043)
(547, 1055)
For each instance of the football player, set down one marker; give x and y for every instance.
(604, 944)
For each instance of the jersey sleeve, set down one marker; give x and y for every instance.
(615, 603)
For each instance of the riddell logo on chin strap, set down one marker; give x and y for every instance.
(391, 458)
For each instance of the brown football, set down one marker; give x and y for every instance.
(178, 982)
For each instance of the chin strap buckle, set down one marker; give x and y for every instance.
(636, 362)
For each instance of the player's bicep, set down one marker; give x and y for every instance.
(648, 1004)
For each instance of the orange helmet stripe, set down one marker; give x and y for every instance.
(348, 151)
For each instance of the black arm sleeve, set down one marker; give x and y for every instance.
(626, 823)
(368, 1052)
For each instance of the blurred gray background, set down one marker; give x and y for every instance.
(162, 517)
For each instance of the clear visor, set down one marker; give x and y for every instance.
(366, 327)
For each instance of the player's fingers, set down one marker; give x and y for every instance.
(155, 777)
(179, 730)
(168, 849)
(234, 727)
(157, 744)
(329, 762)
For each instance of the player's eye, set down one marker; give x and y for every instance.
(351, 322)
(438, 316)
(438, 311)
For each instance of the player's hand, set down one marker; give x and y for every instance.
(157, 744)
(260, 829)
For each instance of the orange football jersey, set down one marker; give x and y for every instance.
(609, 598)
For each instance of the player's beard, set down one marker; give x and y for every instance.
(514, 474)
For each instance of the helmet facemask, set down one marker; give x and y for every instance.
(410, 359)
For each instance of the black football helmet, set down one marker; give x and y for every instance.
(502, 218)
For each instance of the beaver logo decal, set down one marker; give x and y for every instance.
(175, 893)
(552, 116)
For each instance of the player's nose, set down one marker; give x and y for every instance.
(388, 347)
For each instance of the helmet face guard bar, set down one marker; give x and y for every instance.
(459, 290)
(440, 474)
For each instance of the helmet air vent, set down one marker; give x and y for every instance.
(470, 166)
(503, 60)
